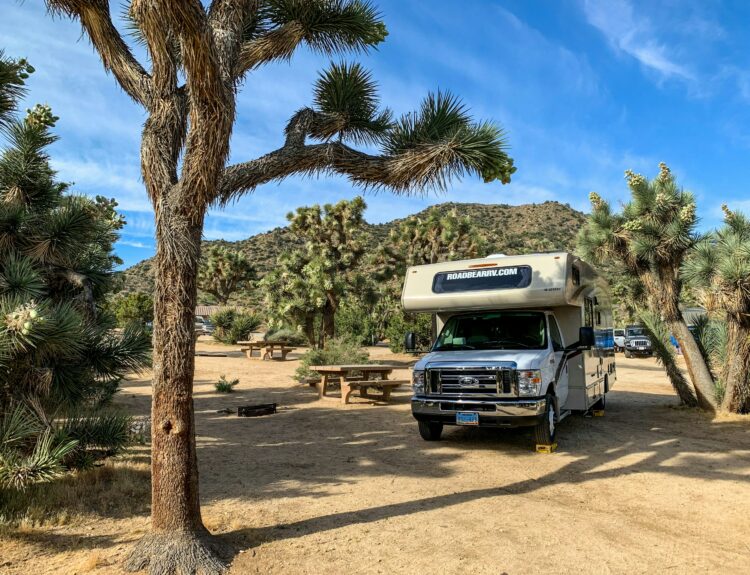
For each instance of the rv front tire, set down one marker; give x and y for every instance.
(545, 431)
(430, 430)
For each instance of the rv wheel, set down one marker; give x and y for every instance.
(430, 430)
(628, 354)
(546, 431)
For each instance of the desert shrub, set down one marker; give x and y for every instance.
(402, 323)
(224, 385)
(289, 336)
(243, 324)
(232, 326)
(134, 307)
(340, 350)
(222, 321)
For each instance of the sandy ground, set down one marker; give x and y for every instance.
(319, 488)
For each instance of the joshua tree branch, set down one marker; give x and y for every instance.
(227, 19)
(277, 44)
(362, 169)
(210, 102)
(116, 56)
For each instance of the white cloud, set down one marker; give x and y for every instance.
(133, 244)
(105, 177)
(634, 35)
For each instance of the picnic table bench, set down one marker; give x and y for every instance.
(265, 349)
(367, 376)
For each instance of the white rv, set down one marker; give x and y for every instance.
(523, 341)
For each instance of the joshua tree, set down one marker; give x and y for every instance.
(313, 278)
(427, 238)
(720, 265)
(184, 150)
(649, 241)
(432, 237)
(223, 272)
(59, 356)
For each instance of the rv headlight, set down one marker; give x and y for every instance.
(417, 381)
(529, 382)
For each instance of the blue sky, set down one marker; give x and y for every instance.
(585, 89)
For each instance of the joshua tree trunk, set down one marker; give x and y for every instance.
(178, 541)
(696, 365)
(329, 319)
(736, 370)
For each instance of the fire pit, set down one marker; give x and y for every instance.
(256, 410)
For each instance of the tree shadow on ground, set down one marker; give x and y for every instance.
(305, 453)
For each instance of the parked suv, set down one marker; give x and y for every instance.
(637, 342)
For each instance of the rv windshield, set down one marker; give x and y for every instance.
(494, 330)
(636, 332)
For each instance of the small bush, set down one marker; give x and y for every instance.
(289, 336)
(402, 323)
(340, 350)
(224, 385)
(232, 326)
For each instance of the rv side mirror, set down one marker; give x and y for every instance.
(586, 337)
(410, 341)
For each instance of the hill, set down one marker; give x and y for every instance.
(507, 229)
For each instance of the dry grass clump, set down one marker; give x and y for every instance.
(119, 488)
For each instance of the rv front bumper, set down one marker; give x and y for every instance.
(492, 413)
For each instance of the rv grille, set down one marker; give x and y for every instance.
(640, 342)
(471, 382)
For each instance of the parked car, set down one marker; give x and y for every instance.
(204, 326)
(619, 335)
(637, 342)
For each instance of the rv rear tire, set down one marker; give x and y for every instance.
(545, 431)
(430, 430)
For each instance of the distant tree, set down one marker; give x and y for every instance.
(311, 281)
(223, 272)
(432, 237)
(136, 307)
(200, 55)
(60, 356)
(427, 238)
(720, 266)
(649, 240)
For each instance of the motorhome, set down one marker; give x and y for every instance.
(522, 341)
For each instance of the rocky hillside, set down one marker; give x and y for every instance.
(507, 229)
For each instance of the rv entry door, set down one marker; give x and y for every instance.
(560, 364)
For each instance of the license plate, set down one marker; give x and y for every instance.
(467, 418)
(641, 347)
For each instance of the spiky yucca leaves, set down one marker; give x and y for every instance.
(648, 242)
(306, 288)
(30, 452)
(326, 26)
(13, 76)
(223, 272)
(347, 100)
(720, 267)
(59, 358)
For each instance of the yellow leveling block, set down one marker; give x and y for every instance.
(545, 448)
(598, 413)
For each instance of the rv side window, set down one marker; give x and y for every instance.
(554, 334)
(588, 312)
(576, 276)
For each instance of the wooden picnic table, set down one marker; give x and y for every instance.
(265, 349)
(363, 381)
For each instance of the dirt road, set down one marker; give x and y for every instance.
(318, 488)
